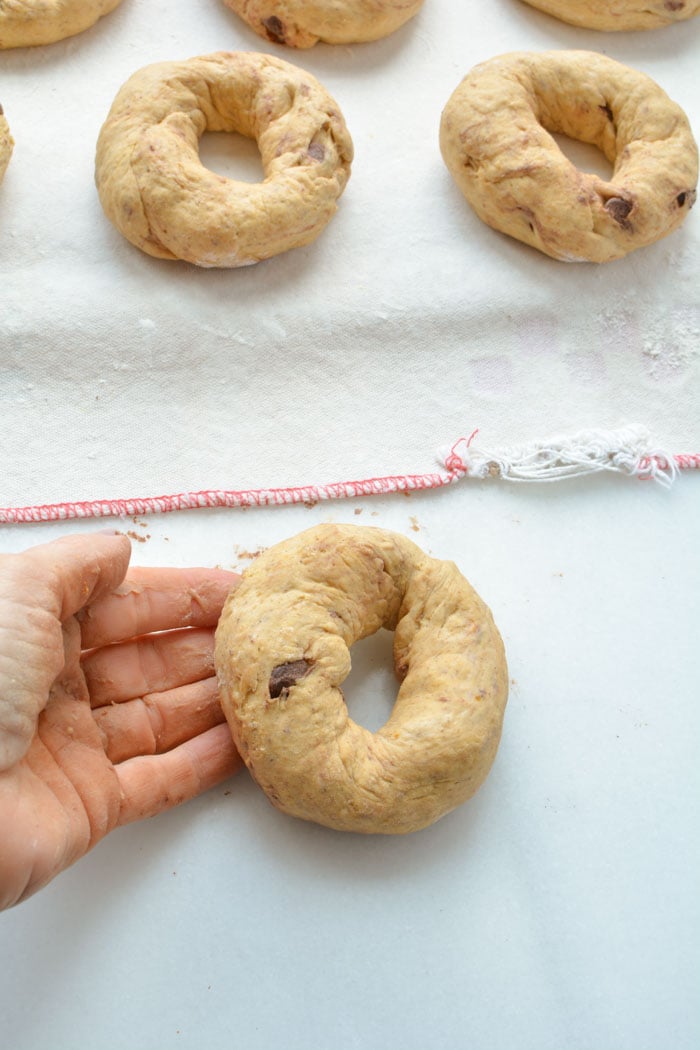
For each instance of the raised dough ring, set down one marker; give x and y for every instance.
(495, 139)
(6, 143)
(619, 15)
(303, 23)
(282, 650)
(156, 191)
(26, 23)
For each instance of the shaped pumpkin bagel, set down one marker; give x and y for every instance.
(619, 15)
(282, 651)
(29, 23)
(495, 137)
(155, 190)
(303, 23)
(6, 143)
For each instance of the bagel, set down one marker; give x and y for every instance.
(154, 188)
(282, 650)
(6, 143)
(28, 23)
(619, 15)
(300, 23)
(495, 140)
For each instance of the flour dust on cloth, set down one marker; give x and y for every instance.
(367, 354)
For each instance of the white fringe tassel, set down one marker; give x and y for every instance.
(625, 451)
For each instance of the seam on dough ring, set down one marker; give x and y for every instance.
(303, 23)
(619, 15)
(282, 651)
(29, 23)
(496, 142)
(155, 190)
(6, 143)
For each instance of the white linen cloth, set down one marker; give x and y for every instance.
(406, 325)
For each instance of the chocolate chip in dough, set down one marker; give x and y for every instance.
(274, 29)
(687, 197)
(284, 676)
(619, 209)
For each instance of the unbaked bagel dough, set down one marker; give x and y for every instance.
(282, 651)
(6, 143)
(495, 139)
(156, 191)
(27, 23)
(303, 23)
(619, 15)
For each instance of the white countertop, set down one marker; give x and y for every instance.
(556, 908)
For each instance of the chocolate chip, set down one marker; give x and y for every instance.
(674, 5)
(284, 676)
(274, 29)
(316, 151)
(687, 197)
(619, 209)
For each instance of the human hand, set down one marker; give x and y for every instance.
(109, 708)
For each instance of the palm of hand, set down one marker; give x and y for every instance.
(131, 723)
(63, 796)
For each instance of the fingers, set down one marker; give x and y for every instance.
(154, 783)
(157, 600)
(159, 721)
(149, 665)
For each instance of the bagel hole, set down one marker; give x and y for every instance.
(232, 155)
(370, 688)
(585, 156)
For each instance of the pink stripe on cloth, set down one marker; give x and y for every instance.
(625, 451)
(223, 498)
